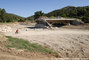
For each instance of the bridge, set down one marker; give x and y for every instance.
(51, 21)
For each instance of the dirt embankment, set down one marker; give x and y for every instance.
(20, 54)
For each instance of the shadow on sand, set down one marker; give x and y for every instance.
(36, 28)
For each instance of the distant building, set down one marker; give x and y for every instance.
(48, 22)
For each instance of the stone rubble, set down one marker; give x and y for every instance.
(5, 29)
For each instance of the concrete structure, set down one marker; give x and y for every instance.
(48, 22)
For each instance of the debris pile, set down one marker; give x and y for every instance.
(5, 29)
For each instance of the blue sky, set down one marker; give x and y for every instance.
(27, 8)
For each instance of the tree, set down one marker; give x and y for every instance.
(0, 14)
(0, 11)
(38, 14)
(86, 18)
(3, 12)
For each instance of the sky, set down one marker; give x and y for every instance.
(26, 8)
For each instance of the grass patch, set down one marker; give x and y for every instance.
(24, 44)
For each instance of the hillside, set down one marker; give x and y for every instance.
(8, 17)
(67, 12)
(72, 12)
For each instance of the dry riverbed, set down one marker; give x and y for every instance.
(68, 42)
(72, 43)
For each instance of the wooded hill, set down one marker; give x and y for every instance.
(72, 12)
(7, 17)
(67, 12)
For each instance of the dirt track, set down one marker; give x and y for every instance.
(68, 42)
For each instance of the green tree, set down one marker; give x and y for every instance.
(3, 12)
(38, 14)
(0, 11)
(0, 14)
(86, 18)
